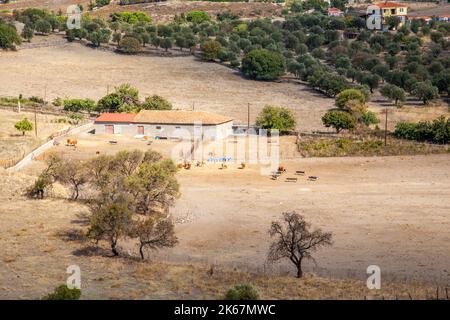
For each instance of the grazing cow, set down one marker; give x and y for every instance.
(72, 142)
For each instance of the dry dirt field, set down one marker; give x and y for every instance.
(72, 70)
(75, 71)
(13, 144)
(390, 211)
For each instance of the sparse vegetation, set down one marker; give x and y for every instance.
(365, 147)
(64, 293)
(244, 291)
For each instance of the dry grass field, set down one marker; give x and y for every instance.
(13, 144)
(72, 70)
(388, 211)
(76, 71)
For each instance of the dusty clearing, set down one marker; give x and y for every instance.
(13, 145)
(390, 211)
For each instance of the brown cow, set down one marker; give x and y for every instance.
(72, 142)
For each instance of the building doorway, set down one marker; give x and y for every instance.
(109, 129)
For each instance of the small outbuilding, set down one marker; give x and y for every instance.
(166, 124)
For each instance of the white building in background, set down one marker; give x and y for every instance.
(167, 124)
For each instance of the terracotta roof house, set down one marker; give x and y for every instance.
(389, 9)
(335, 12)
(166, 124)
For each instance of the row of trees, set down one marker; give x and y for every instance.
(124, 98)
(312, 47)
(128, 195)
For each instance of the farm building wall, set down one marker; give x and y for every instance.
(119, 128)
(212, 132)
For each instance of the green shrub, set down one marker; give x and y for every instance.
(211, 49)
(437, 131)
(242, 292)
(197, 16)
(262, 64)
(76, 105)
(156, 102)
(369, 118)
(9, 37)
(131, 17)
(24, 125)
(130, 45)
(349, 96)
(273, 117)
(339, 120)
(64, 293)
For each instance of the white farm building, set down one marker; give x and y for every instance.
(167, 124)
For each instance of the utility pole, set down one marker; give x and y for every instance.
(193, 106)
(45, 94)
(35, 121)
(385, 127)
(248, 117)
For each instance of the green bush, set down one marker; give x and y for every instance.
(369, 118)
(129, 45)
(76, 105)
(242, 292)
(273, 117)
(339, 120)
(131, 17)
(437, 131)
(8, 36)
(63, 293)
(349, 96)
(24, 125)
(197, 16)
(156, 102)
(262, 64)
(211, 49)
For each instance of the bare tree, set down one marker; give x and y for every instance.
(295, 241)
(72, 173)
(154, 234)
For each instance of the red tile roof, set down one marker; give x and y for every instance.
(116, 117)
(390, 5)
(334, 10)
